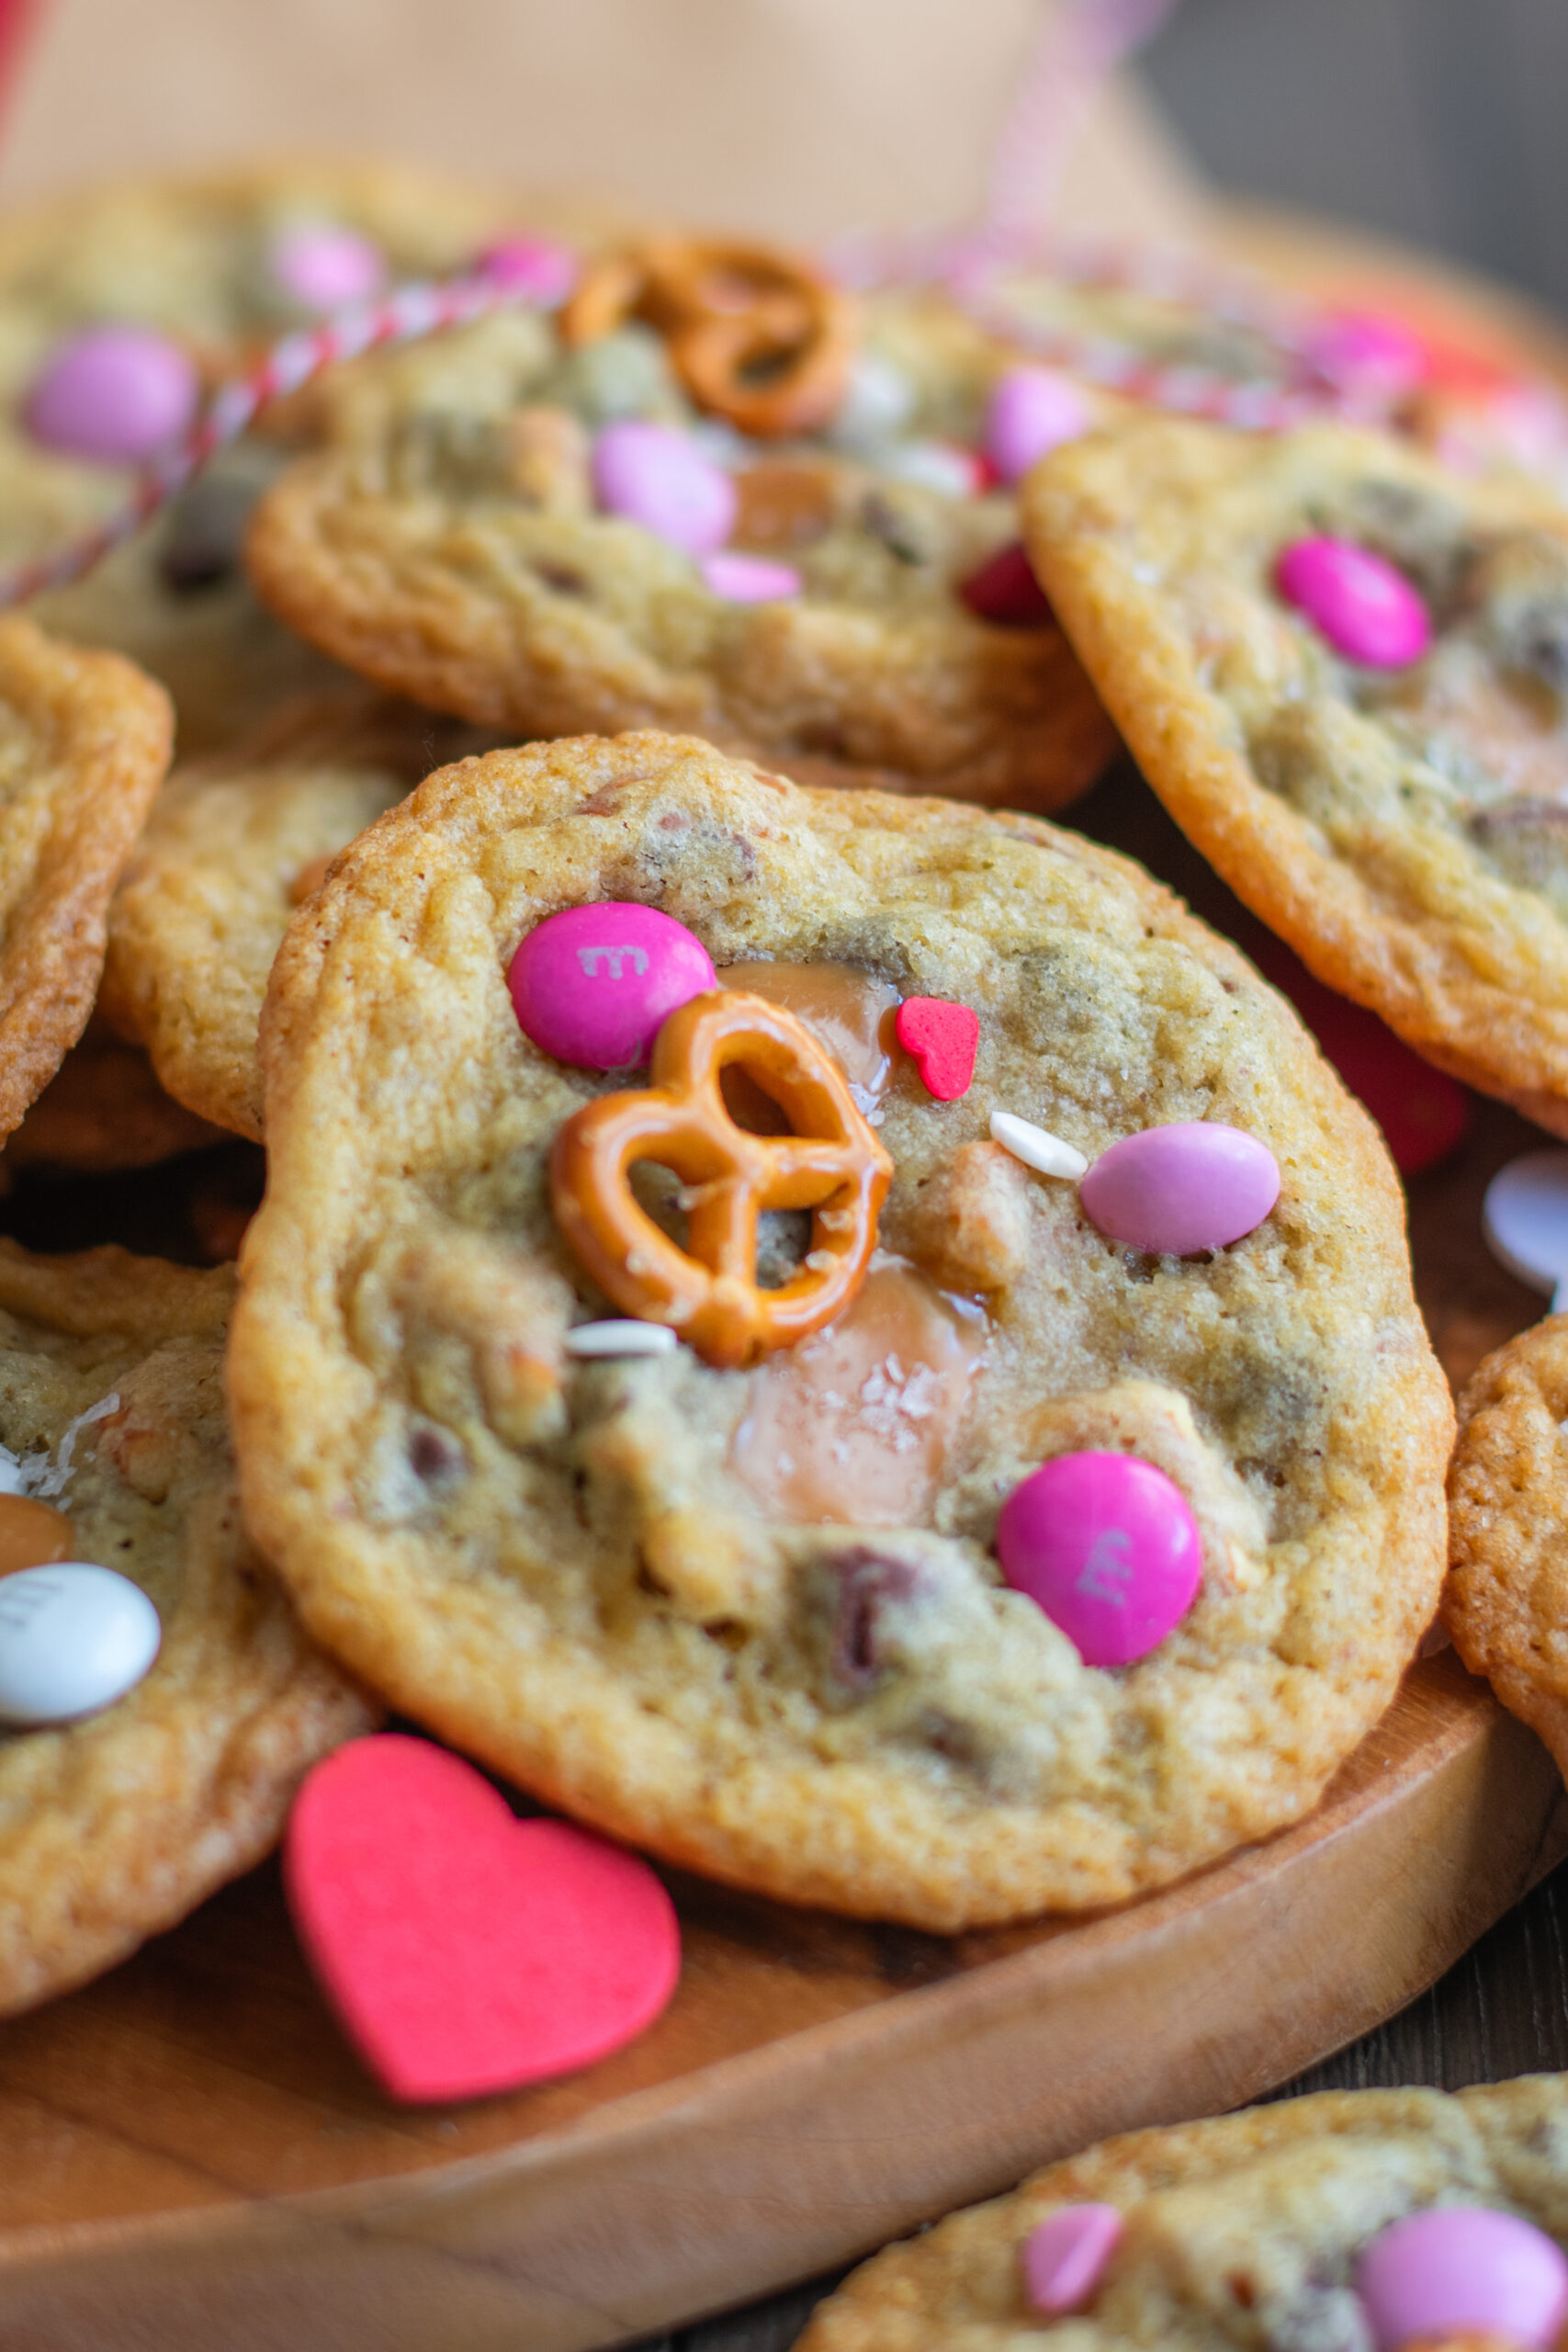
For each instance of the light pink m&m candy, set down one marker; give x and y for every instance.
(1193, 1184)
(1032, 410)
(594, 985)
(1459, 2266)
(750, 579)
(1366, 608)
(1064, 2259)
(1108, 1548)
(114, 394)
(655, 476)
(324, 268)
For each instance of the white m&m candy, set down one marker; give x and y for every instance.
(1525, 1219)
(74, 1638)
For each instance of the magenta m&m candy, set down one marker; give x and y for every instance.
(653, 475)
(1193, 1184)
(1361, 604)
(113, 394)
(1065, 2257)
(1107, 1546)
(538, 267)
(1370, 352)
(750, 579)
(1005, 592)
(325, 267)
(1460, 2266)
(1032, 410)
(593, 985)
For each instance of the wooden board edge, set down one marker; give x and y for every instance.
(807, 2151)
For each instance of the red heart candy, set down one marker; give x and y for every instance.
(1005, 590)
(942, 1038)
(466, 1951)
(1422, 1112)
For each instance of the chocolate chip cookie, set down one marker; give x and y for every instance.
(1382, 775)
(111, 1413)
(742, 1604)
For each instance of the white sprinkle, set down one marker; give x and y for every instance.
(819, 1261)
(45, 1475)
(618, 1337)
(1036, 1147)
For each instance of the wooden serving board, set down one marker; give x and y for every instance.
(190, 2158)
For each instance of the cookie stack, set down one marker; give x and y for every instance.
(832, 1334)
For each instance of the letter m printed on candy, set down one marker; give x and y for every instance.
(1108, 1569)
(594, 959)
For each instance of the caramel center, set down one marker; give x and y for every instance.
(854, 1425)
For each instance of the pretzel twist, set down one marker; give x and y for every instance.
(754, 335)
(832, 1164)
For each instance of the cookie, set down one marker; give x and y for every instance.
(111, 1410)
(84, 743)
(1389, 807)
(208, 270)
(232, 845)
(1278, 2227)
(641, 513)
(749, 1615)
(1506, 1602)
(102, 1111)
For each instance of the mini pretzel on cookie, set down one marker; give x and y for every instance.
(755, 335)
(832, 1164)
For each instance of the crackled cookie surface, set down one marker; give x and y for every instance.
(752, 1618)
(205, 272)
(111, 1411)
(232, 847)
(1254, 2230)
(544, 528)
(84, 744)
(1395, 805)
(1506, 1602)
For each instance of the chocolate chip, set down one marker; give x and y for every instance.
(896, 532)
(204, 534)
(561, 579)
(433, 1453)
(867, 1581)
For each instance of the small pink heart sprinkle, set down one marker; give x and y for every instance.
(942, 1040)
(1065, 2257)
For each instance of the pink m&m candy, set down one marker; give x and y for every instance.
(325, 267)
(1366, 608)
(593, 985)
(1459, 2266)
(750, 579)
(1065, 2257)
(1107, 1546)
(1193, 1184)
(1370, 351)
(655, 476)
(114, 394)
(538, 266)
(1032, 410)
